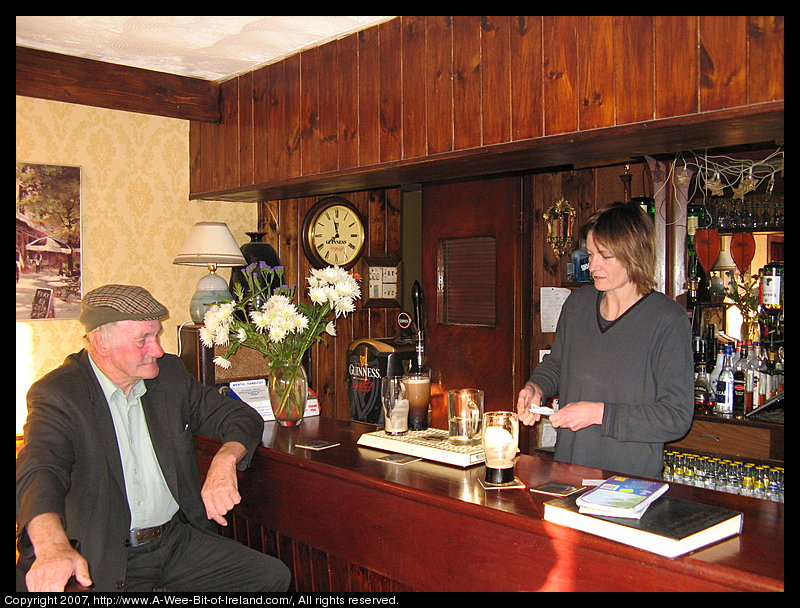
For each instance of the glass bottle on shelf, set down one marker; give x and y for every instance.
(647, 204)
(751, 377)
(771, 289)
(764, 379)
(696, 277)
(703, 393)
(580, 264)
(718, 354)
(740, 381)
(724, 386)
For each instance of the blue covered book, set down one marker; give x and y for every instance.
(620, 496)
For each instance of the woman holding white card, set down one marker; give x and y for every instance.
(621, 359)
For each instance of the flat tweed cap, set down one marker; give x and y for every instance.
(111, 303)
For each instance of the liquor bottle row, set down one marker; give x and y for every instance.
(724, 475)
(731, 381)
(738, 383)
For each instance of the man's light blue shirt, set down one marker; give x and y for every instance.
(149, 499)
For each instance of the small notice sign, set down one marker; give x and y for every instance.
(42, 305)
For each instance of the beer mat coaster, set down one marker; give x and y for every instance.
(400, 459)
(316, 444)
(555, 488)
(509, 485)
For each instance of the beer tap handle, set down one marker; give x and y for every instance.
(419, 316)
(419, 306)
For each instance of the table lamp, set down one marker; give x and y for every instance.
(209, 244)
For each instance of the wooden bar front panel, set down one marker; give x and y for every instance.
(345, 522)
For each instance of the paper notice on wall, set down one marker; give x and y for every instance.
(551, 300)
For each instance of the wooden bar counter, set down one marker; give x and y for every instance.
(342, 521)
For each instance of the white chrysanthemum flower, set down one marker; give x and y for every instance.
(222, 362)
(344, 306)
(277, 300)
(225, 311)
(317, 294)
(206, 336)
(277, 334)
(300, 323)
(330, 328)
(241, 334)
(222, 335)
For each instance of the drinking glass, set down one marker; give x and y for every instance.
(500, 440)
(464, 413)
(418, 393)
(395, 405)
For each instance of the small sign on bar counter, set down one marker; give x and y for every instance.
(254, 393)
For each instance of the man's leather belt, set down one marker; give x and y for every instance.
(142, 536)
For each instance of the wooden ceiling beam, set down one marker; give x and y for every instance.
(57, 77)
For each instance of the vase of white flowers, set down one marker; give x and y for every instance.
(288, 391)
(280, 328)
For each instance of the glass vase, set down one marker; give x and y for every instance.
(288, 391)
(750, 329)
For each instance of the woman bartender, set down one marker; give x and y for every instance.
(621, 359)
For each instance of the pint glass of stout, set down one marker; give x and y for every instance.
(500, 441)
(418, 393)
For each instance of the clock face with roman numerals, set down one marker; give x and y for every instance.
(333, 233)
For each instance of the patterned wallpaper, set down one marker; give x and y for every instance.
(135, 213)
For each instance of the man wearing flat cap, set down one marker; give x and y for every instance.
(108, 487)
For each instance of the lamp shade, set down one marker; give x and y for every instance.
(210, 243)
(724, 260)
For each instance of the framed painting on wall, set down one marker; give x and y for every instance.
(48, 241)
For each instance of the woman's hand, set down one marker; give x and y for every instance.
(530, 395)
(578, 415)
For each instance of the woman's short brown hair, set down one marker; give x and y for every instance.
(627, 232)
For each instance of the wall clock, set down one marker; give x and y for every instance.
(333, 233)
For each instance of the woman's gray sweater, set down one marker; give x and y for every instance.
(640, 366)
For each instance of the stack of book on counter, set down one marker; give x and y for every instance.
(634, 512)
(621, 497)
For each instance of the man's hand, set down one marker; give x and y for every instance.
(56, 560)
(220, 491)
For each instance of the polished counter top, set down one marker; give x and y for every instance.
(513, 517)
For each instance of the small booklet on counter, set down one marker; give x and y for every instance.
(670, 527)
(620, 496)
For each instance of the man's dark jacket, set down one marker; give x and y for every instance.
(71, 466)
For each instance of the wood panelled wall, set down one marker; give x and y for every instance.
(282, 221)
(418, 87)
(402, 99)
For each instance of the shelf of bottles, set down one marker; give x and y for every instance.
(737, 383)
(732, 379)
(724, 475)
